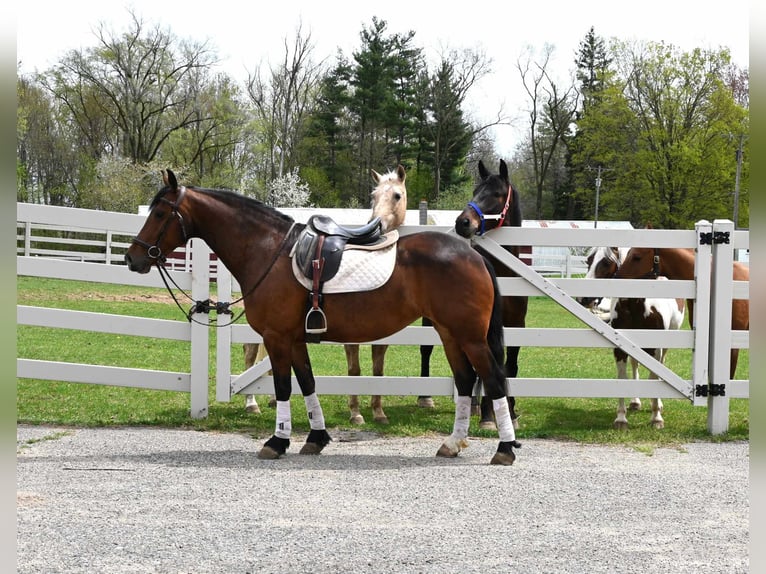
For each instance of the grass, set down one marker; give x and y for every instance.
(76, 404)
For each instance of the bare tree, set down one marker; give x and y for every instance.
(551, 113)
(128, 94)
(284, 100)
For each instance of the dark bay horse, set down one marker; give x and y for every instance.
(436, 275)
(633, 313)
(677, 263)
(389, 203)
(496, 203)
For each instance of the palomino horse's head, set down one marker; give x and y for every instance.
(389, 198)
(164, 229)
(603, 263)
(494, 203)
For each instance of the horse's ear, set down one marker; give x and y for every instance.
(375, 176)
(503, 170)
(169, 178)
(401, 173)
(649, 225)
(483, 173)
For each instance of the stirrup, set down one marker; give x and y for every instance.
(316, 322)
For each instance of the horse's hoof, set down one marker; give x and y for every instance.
(356, 420)
(268, 453)
(634, 407)
(488, 425)
(316, 441)
(311, 448)
(426, 403)
(446, 452)
(253, 409)
(273, 403)
(620, 425)
(382, 420)
(658, 424)
(503, 458)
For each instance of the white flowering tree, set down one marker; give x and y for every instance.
(288, 191)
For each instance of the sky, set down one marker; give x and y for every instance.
(245, 34)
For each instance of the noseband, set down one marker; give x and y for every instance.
(500, 217)
(154, 251)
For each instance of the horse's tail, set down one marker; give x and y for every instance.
(495, 337)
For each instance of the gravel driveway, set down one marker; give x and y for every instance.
(174, 501)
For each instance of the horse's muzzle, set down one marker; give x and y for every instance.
(464, 226)
(138, 265)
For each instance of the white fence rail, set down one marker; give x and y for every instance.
(708, 367)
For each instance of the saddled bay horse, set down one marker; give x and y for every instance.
(495, 203)
(632, 313)
(678, 264)
(389, 203)
(435, 275)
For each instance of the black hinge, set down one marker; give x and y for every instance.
(712, 389)
(720, 237)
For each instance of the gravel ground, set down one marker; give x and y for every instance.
(140, 500)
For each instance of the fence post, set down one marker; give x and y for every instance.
(701, 317)
(200, 291)
(720, 326)
(223, 338)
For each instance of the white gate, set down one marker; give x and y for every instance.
(713, 288)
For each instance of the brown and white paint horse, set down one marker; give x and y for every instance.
(632, 313)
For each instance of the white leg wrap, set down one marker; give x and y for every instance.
(314, 410)
(503, 419)
(284, 420)
(462, 417)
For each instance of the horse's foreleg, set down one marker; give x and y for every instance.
(352, 360)
(278, 444)
(378, 362)
(621, 361)
(318, 437)
(657, 421)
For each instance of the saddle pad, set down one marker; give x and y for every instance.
(360, 270)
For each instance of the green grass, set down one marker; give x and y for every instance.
(75, 404)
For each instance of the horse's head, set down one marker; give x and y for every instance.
(389, 198)
(164, 229)
(494, 203)
(603, 263)
(640, 263)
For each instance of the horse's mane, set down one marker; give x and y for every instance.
(229, 197)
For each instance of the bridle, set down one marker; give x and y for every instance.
(154, 251)
(220, 307)
(500, 217)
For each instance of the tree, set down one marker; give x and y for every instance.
(128, 94)
(551, 113)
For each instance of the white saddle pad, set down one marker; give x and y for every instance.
(360, 270)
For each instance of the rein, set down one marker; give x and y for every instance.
(220, 307)
(500, 217)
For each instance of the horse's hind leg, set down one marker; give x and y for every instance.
(354, 370)
(378, 362)
(621, 361)
(657, 421)
(464, 379)
(487, 421)
(424, 401)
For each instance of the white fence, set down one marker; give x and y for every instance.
(713, 289)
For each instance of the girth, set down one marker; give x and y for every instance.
(318, 253)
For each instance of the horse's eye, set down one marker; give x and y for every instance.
(158, 214)
(397, 196)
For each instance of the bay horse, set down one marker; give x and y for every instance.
(435, 275)
(495, 203)
(677, 263)
(632, 313)
(389, 203)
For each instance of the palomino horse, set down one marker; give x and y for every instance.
(678, 264)
(496, 203)
(435, 275)
(633, 313)
(389, 203)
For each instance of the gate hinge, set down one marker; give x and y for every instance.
(714, 390)
(717, 237)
